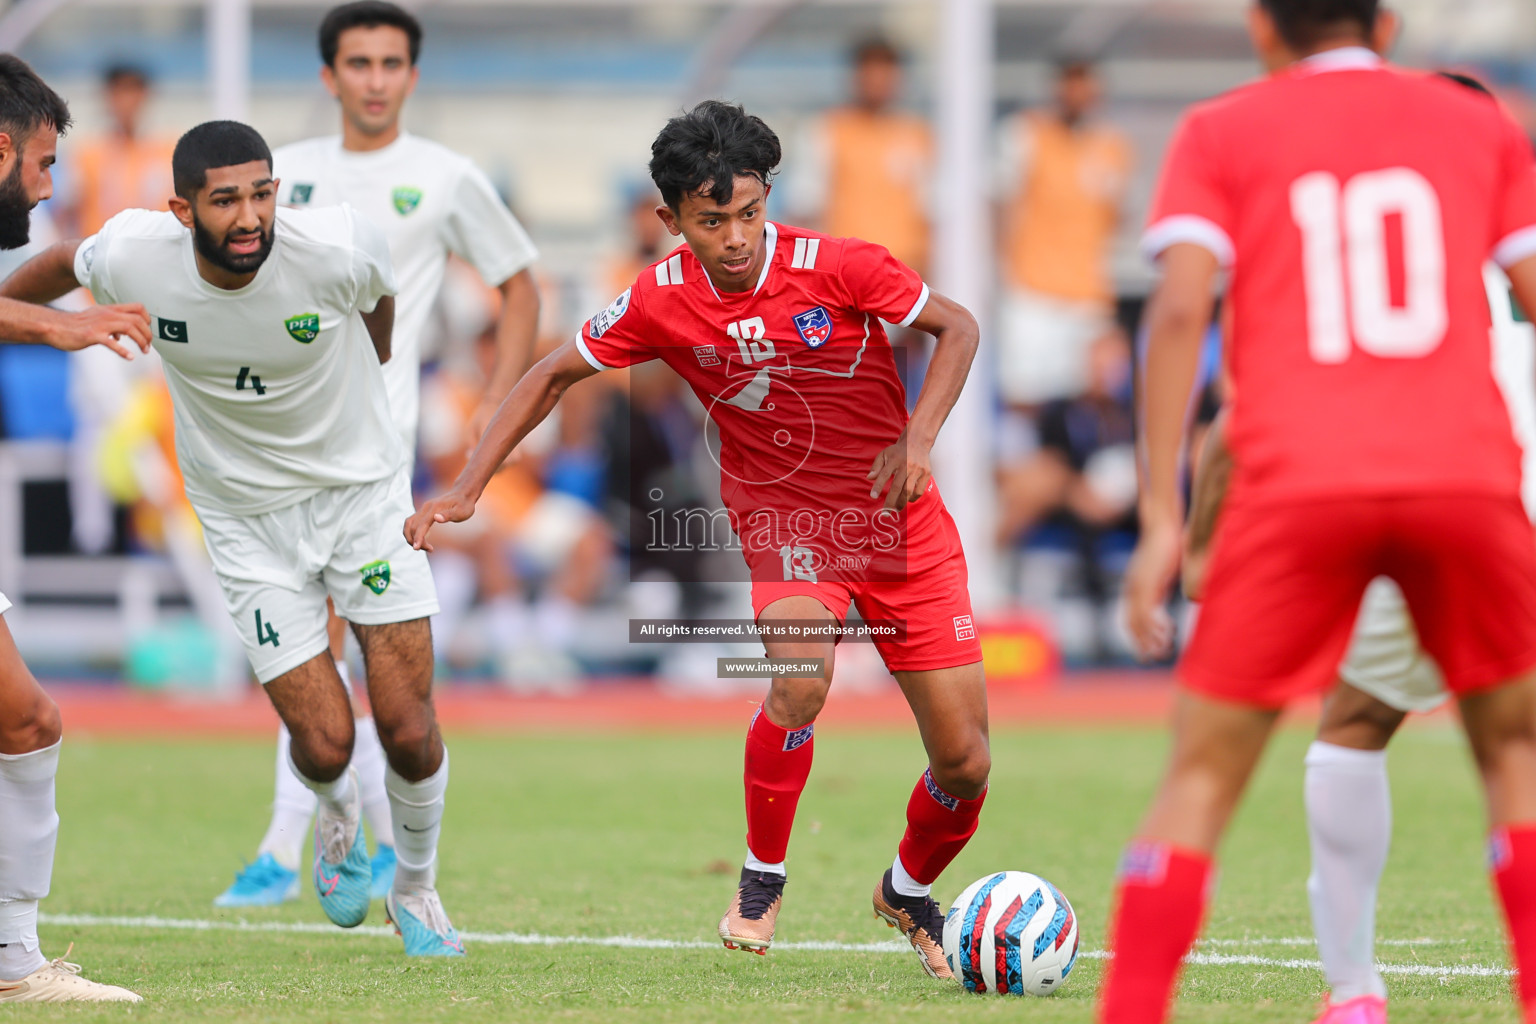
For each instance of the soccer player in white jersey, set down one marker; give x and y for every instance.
(1385, 675)
(32, 117)
(430, 202)
(272, 325)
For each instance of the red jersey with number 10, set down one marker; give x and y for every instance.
(1356, 204)
(797, 373)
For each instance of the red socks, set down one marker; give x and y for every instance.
(1161, 901)
(777, 764)
(938, 827)
(1512, 860)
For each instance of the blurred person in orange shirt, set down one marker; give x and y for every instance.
(123, 168)
(1060, 177)
(864, 170)
(120, 169)
(645, 242)
(525, 531)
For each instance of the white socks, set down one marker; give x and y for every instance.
(29, 831)
(418, 819)
(337, 796)
(293, 805)
(762, 866)
(905, 884)
(1349, 820)
(368, 759)
(293, 802)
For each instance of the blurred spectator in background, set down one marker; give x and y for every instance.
(1079, 488)
(651, 433)
(529, 540)
(119, 169)
(1085, 467)
(123, 168)
(1060, 178)
(864, 170)
(645, 242)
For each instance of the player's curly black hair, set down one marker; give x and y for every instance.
(1305, 23)
(214, 144)
(703, 151)
(26, 102)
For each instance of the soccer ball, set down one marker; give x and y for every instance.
(1012, 933)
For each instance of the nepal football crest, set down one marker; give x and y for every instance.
(303, 328)
(376, 576)
(815, 326)
(406, 199)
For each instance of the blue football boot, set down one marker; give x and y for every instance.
(383, 871)
(263, 883)
(419, 919)
(343, 876)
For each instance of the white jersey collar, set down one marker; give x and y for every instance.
(373, 155)
(1344, 58)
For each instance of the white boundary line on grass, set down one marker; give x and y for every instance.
(633, 942)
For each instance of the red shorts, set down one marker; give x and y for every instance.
(1285, 584)
(932, 600)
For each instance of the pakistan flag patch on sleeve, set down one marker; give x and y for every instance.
(303, 328)
(406, 199)
(376, 576)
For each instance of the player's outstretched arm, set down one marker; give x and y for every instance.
(534, 397)
(516, 332)
(1208, 492)
(1178, 315)
(48, 276)
(907, 465)
(381, 326)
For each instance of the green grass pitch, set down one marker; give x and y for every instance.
(588, 836)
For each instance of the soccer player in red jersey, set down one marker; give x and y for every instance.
(827, 482)
(1353, 205)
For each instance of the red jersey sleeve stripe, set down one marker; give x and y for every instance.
(917, 307)
(1187, 227)
(586, 353)
(1515, 247)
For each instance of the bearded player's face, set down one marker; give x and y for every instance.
(233, 215)
(372, 77)
(27, 180)
(727, 238)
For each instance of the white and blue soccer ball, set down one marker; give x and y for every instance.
(1011, 933)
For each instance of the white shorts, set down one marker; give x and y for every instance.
(1385, 660)
(346, 543)
(1042, 346)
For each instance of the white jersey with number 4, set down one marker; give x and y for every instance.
(277, 388)
(430, 201)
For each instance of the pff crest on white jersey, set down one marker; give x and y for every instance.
(430, 202)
